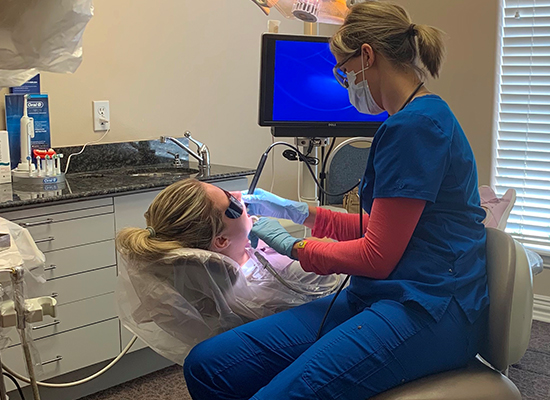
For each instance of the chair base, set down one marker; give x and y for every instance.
(475, 382)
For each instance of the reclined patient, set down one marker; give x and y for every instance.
(192, 273)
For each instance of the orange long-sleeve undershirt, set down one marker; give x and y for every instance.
(388, 231)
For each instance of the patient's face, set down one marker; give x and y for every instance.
(236, 230)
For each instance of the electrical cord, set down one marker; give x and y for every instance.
(16, 384)
(84, 147)
(322, 175)
(291, 155)
(321, 181)
(79, 382)
(272, 168)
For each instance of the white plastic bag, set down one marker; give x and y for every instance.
(41, 35)
(191, 295)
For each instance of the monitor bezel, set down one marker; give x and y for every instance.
(267, 76)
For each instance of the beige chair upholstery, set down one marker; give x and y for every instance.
(510, 315)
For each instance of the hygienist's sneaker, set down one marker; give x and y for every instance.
(497, 209)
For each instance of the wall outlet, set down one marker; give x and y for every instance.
(102, 116)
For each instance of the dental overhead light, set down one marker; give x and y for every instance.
(324, 11)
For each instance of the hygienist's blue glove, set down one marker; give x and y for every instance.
(274, 235)
(267, 204)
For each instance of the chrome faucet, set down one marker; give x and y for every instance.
(203, 156)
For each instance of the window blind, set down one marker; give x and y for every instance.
(523, 137)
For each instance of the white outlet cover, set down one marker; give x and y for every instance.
(101, 110)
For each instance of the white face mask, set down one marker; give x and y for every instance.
(360, 95)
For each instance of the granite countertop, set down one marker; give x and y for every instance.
(127, 167)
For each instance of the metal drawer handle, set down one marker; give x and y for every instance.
(45, 222)
(55, 294)
(56, 359)
(54, 323)
(48, 239)
(50, 268)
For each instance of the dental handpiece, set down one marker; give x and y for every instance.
(259, 170)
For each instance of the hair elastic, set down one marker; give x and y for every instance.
(412, 30)
(152, 232)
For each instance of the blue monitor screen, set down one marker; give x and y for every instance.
(304, 87)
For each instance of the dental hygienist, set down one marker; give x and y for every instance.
(417, 302)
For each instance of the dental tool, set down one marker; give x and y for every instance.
(276, 275)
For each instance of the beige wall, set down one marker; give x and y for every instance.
(194, 65)
(167, 67)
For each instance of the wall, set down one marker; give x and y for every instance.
(171, 66)
(168, 68)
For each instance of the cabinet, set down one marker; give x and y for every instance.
(77, 239)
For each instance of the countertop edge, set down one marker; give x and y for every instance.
(114, 192)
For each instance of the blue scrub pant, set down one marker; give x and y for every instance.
(363, 351)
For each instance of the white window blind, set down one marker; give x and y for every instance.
(523, 137)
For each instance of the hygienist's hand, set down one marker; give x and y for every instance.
(274, 235)
(267, 204)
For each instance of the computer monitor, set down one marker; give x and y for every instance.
(299, 96)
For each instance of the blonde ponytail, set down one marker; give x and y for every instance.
(138, 243)
(182, 215)
(431, 48)
(388, 29)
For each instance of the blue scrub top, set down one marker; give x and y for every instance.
(422, 153)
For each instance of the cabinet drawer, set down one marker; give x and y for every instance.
(79, 259)
(73, 350)
(78, 287)
(75, 232)
(30, 214)
(71, 316)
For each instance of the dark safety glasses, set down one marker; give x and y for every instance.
(340, 75)
(235, 209)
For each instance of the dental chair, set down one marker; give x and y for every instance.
(510, 315)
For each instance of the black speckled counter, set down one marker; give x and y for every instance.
(128, 170)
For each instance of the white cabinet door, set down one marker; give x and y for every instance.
(75, 260)
(69, 351)
(71, 316)
(129, 209)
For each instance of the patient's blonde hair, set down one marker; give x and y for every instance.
(389, 30)
(182, 215)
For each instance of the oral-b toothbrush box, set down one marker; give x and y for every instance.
(32, 86)
(5, 168)
(37, 108)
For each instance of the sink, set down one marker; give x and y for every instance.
(160, 172)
